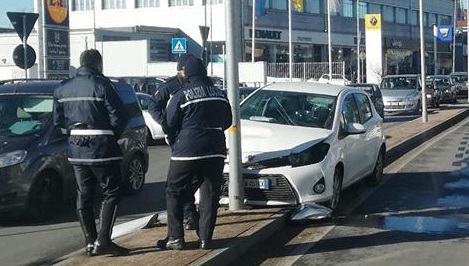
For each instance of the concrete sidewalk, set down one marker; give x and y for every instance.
(238, 231)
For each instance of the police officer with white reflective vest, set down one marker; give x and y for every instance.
(196, 115)
(89, 108)
(157, 110)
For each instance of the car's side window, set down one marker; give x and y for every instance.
(350, 110)
(364, 107)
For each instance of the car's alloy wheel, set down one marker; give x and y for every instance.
(134, 175)
(377, 174)
(336, 188)
(44, 197)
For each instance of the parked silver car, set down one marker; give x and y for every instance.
(401, 93)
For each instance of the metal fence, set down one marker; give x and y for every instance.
(305, 70)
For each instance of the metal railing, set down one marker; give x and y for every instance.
(305, 70)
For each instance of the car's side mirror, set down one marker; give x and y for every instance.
(355, 128)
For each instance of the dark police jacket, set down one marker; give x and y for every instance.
(160, 99)
(90, 108)
(198, 113)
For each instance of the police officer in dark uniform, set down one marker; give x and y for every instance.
(157, 110)
(88, 107)
(197, 114)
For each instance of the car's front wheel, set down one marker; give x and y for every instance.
(134, 175)
(44, 197)
(336, 189)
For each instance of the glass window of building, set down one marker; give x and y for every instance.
(313, 7)
(433, 19)
(347, 8)
(374, 8)
(81, 5)
(181, 2)
(444, 20)
(425, 19)
(362, 10)
(401, 15)
(148, 3)
(388, 13)
(414, 18)
(113, 4)
(279, 4)
(214, 2)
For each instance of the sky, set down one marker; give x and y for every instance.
(13, 6)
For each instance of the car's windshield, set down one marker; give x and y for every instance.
(24, 114)
(399, 83)
(289, 108)
(442, 81)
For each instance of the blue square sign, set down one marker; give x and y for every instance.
(179, 45)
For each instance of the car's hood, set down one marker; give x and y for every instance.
(9, 144)
(398, 93)
(261, 140)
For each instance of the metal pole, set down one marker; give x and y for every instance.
(94, 24)
(358, 42)
(467, 46)
(253, 34)
(236, 198)
(454, 35)
(25, 53)
(290, 48)
(435, 51)
(422, 66)
(329, 37)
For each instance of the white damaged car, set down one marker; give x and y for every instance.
(302, 143)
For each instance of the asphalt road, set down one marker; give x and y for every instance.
(39, 244)
(419, 215)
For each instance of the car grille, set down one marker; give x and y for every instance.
(280, 189)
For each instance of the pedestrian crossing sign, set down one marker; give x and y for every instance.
(179, 45)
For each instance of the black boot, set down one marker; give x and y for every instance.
(103, 244)
(86, 218)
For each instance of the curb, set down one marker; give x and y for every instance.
(250, 238)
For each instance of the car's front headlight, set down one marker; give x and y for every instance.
(312, 155)
(12, 158)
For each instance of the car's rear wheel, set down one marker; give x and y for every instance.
(375, 178)
(44, 197)
(134, 175)
(336, 189)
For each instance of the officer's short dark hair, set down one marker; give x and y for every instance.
(91, 58)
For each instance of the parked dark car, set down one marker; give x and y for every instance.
(375, 95)
(144, 84)
(35, 175)
(445, 86)
(460, 80)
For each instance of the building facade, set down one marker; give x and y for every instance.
(100, 21)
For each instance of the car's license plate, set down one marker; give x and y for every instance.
(261, 183)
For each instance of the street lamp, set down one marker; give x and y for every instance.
(435, 51)
(422, 65)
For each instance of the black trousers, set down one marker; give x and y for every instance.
(88, 177)
(182, 176)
